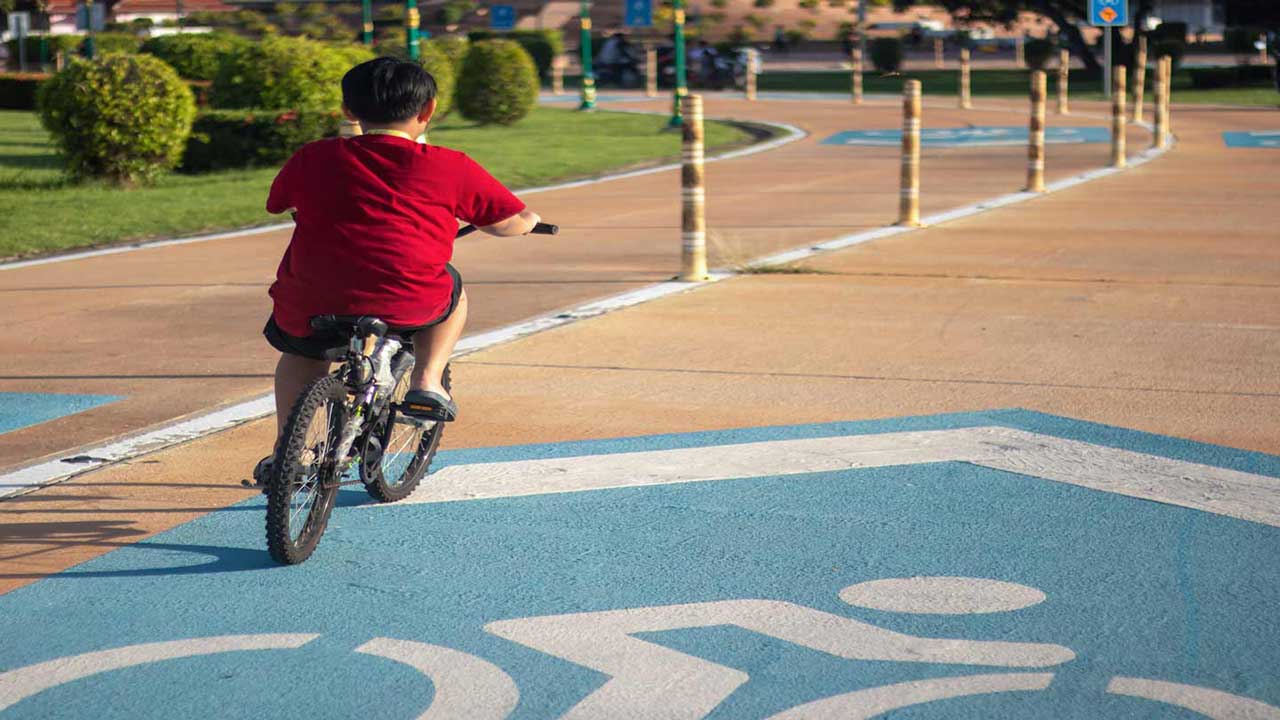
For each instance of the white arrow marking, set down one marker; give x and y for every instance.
(871, 702)
(465, 685)
(1150, 477)
(1208, 702)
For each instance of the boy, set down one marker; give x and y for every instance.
(376, 218)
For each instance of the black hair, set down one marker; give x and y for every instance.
(387, 90)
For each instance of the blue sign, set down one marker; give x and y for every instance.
(1108, 13)
(1252, 139)
(502, 17)
(99, 17)
(995, 564)
(639, 13)
(971, 136)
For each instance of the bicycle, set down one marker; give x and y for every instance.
(350, 419)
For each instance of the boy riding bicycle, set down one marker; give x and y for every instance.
(376, 218)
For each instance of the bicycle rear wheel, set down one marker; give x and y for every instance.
(393, 467)
(303, 485)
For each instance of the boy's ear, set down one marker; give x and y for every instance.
(427, 111)
(346, 112)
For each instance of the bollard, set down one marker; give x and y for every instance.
(965, 102)
(557, 75)
(856, 58)
(1168, 94)
(753, 62)
(1139, 77)
(1064, 77)
(650, 71)
(349, 128)
(909, 201)
(1161, 110)
(1019, 52)
(937, 53)
(1117, 117)
(1035, 143)
(693, 256)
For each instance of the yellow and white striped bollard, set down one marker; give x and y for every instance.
(557, 74)
(1118, 117)
(938, 57)
(1139, 77)
(909, 199)
(650, 71)
(1035, 144)
(693, 256)
(855, 58)
(1162, 119)
(1064, 78)
(753, 62)
(1168, 93)
(965, 100)
(1019, 52)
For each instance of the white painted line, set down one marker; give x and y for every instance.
(19, 264)
(1242, 495)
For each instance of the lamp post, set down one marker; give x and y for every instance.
(366, 16)
(588, 76)
(88, 40)
(682, 85)
(411, 22)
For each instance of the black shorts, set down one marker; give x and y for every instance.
(314, 345)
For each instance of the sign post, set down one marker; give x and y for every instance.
(1108, 14)
(20, 27)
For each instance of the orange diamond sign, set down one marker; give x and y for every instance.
(1108, 14)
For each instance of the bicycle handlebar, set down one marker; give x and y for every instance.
(539, 229)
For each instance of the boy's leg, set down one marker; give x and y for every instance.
(293, 374)
(432, 348)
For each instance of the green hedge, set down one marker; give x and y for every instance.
(18, 91)
(68, 44)
(280, 73)
(542, 45)
(1224, 77)
(115, 42)
(455, 48)
(234, 139)
(195, 56)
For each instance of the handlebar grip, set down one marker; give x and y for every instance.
(545, 229)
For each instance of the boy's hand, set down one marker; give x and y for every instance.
(519, 224)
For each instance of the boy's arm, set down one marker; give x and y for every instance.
(519, 224)
(281, 197)
(490, 206)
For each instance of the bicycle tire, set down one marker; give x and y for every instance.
(373, 468)
(292, 461)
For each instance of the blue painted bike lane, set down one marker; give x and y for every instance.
(975, 565)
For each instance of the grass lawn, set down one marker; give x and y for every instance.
(1006, 82)
(41, 212)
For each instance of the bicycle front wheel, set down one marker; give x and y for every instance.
(303, 484)
(393, 468)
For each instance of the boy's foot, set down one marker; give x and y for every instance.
(261, 473)
(429, 405)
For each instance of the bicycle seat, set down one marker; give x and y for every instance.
(361, 326)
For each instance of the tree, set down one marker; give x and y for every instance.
(1068, 15)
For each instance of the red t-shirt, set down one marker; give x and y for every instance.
(375, 227)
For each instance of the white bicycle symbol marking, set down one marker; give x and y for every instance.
(649, 681)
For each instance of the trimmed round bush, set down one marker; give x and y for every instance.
(542, 45)
(352, 53)
(113, 42)
(124, 118)
(194, 56)
(280, 73)
(499, 83)
(455, 48)
(886, 54)
(1037, 52)
(433, 60)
